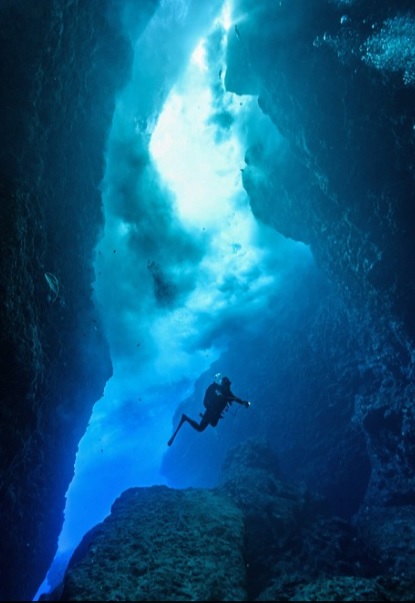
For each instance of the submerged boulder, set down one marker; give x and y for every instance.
(160, 544)
(256, 537)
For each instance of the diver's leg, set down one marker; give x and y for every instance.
(198, 426)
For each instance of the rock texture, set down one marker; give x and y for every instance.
(254, 538)
(336, 79)
(160, 544)
(62, 62)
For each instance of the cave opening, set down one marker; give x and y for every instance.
(181, 260)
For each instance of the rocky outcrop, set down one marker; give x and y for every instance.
(62, 63)
(254, 538)
(160, 544)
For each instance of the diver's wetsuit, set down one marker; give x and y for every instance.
(217, 397)
(215, 402)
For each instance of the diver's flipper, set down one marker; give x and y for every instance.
(170, 442)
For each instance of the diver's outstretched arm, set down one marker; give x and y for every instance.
(233, 398)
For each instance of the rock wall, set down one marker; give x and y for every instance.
(62, 63)
(337, 80)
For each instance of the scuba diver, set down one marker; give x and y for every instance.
(218, 397)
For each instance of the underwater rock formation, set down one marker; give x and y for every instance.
(57, 102)
(161, 544)
(254, 538)
(336, 78)
(337, 85)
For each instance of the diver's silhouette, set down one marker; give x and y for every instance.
(217, 398)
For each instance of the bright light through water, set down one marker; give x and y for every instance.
(181, 259)
(203, 169)
(204, 174)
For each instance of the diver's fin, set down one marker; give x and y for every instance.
(170, 442)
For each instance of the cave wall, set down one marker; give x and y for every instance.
(337, 80)
(62, 64)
